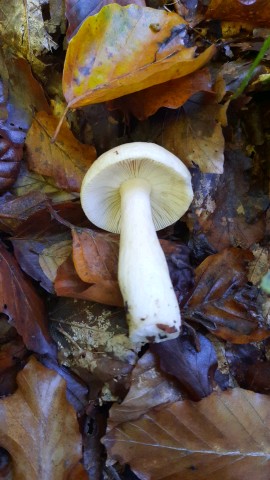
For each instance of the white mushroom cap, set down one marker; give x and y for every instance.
(170, 181)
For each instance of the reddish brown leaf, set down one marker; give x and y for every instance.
(12, 358)
(172, 94)
(95, 255)
(39, 427)
(67, 160)
(255, 12)
(69, 284)
(225, 435)
(77, 12)
(194, 366)
(20, 302)
(223, 301)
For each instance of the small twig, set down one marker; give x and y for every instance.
(255, 63)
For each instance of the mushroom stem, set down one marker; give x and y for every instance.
(152, 307)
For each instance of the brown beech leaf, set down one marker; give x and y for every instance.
(20, 302)
(255, 12)
(68, 284)
(13, 355)
(225, 435)
(95, 255)
(39, 427)
(193, 365)
(149, 387)
(194, 133)
(172, 94)
(77, 12)
(223, 301)
(15, 211)
(67, 160)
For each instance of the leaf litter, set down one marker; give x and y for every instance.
(172, 84)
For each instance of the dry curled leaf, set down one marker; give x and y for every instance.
(38, 426)
(67, 160)
(225, 435)
(223, 301)
(100, 69)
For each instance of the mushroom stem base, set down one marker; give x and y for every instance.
(152, 308)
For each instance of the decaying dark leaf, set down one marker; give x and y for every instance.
(223, 301)
(193, 365)
(10, 158)
(255, 12)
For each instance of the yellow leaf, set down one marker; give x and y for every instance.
(126, 49)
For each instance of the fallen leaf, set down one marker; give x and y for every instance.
(77, 12)
(255, 12)
(194, 134)
(225, 435)
(95, 255)
(20, 302)
(172, 94)
(13, 355)
(53, 256)
(101, 69)
(194, 366)
(39, 427)
(67, 160)
(15, 211)
(223, 301)
(69, 284)
(149, 388)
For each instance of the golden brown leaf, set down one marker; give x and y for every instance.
(67, 160)
(39, 427)
(224, 436)
(127, 49)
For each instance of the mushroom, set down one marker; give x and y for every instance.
(136, 189)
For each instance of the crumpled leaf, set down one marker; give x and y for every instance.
(223, 301)
(193, 365)
(77, 12)
(184, 440)
(66, 160)
(149, 388)
(68, 284)
(20, 302)
(255, 12)
(15, 211)
(172, 94)
(194, 134)
(39, 427)
(101, 69)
